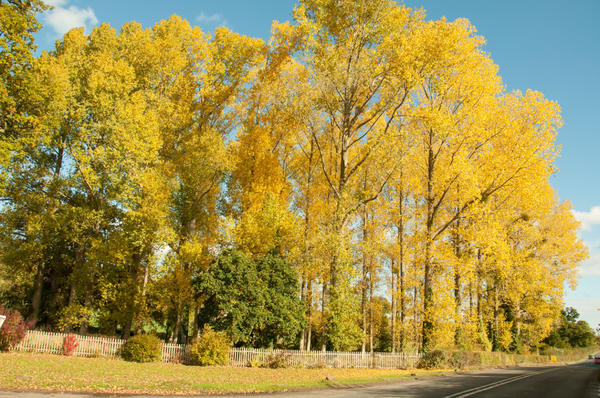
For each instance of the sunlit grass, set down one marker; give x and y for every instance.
(95, 375)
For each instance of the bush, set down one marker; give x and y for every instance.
(254, 363)
(73, 317)
(13, 329)
(97, 354)
(432, 359)
(70, 343)
(279, 360)
(142, 348)
(212, 348)
(176, 359)
(464, 359)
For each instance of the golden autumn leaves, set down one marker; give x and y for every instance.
(377, 151)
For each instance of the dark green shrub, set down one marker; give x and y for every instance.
(13, 329)
(432, 359)
(211, 349)
(142, 348)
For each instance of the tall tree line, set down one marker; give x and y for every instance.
(376, 152)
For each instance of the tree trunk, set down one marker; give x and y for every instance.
(178, 321)
(478, 286)
(416, 318)
(400, 270)
(427, 277)
(371, 286)
(126, 332)
(309, 299)
(303, 299)
(457, 286)
(402, 303)
(364, 305)
(36, 299)
(323, 319)
(496, 341)
(393, 306)
(427, 300)
(87, 303)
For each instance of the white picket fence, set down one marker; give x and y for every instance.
(92, 346)
(89, 346)
(330, 359)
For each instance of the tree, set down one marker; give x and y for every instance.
(254, 301)
(202, 81)
(18, 88)
(352, 50)
(366, 149)
(571, 332)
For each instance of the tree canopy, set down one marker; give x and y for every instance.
(361, 180)
(254, 301)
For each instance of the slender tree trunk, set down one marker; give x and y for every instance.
(371, 320)
(306, 333)
(126, 332)
(416, 318)
(87, 303)
(303, 299)
(427, 277)
(192, 320)
(36, 299)
(131, 306)
(72, 293)
(457, 284)
(323, 318)
(309, 315)
(146, 276)
(393, 315)
(471, 305)
(400, 270)
(427, 298)
(496, 340)
(364, 304)
(478, 287)
(402, 306)
(178, 321)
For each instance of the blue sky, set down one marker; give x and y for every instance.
(552, 46)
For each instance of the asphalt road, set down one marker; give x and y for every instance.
(571, 381)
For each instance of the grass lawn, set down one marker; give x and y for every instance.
(24, 371)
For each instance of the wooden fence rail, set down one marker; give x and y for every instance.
(93, 346)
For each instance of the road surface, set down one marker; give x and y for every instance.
(571, 381)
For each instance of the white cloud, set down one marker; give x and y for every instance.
(56, 3)
(588, 218)
(211, 20)
(590, 266)
(62, 18)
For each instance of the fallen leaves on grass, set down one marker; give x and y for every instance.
(22, 371)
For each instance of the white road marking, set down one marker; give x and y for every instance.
(476, 390)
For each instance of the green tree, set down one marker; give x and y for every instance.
(255, 301)
(571, 332)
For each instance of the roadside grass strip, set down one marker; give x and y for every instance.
(43, 372)
(486, 387)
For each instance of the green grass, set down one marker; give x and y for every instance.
(22, 371)
(26, 371)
